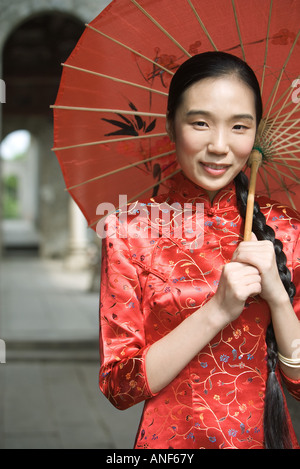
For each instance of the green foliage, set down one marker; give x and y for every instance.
(10, 197)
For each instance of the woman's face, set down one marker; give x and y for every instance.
(214, 131)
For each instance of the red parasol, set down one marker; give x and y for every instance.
(109, 114)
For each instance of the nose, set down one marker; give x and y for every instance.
(218, 143)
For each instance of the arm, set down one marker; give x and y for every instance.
(122, 376)
(132, 370)
(169, 355)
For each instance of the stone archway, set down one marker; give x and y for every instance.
(32, 55)
(20, 190)
(13, 14)
(35, 38)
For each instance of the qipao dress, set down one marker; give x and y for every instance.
(153, 277)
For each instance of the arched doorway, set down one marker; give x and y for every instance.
(32, 57)
(19, 155)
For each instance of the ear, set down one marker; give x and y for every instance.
(253, 237)
(170, 129)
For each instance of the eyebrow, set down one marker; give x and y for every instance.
(193, 112)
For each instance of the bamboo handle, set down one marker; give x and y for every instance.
(255, 160)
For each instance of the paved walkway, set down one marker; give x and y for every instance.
(49, 396)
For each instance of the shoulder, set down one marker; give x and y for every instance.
(131, 218)
(141, 207)
(275, 211)
(284, 220)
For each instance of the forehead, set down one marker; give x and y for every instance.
(228, 91)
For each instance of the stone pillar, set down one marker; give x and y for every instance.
(2, 101)
(78, 239)
(53, 216)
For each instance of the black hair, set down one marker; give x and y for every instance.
(276, 431)
(211, 65)
(216, 65)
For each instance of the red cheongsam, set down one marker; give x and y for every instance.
(152, 279)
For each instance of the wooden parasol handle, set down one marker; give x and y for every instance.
(254, 162)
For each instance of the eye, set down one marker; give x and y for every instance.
(200, 124)
(240, 127)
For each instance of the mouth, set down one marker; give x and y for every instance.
(215, 169)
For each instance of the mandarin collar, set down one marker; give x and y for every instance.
(183, 190)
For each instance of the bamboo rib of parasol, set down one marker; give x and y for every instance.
(118, 170)
(118, 80)
(269, 122)
(112, 140)
(102, 110)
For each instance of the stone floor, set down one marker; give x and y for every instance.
(49, 396)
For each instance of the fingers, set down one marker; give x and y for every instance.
(247, 271)
(251, 279)
(242, 280)
(259, 254)
(238, 282)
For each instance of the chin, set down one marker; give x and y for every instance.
(210, 185)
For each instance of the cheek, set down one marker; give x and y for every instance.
(188, 141)
(243, 149)
(185, 151)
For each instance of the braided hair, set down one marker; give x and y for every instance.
(215, 65)
(275, 422)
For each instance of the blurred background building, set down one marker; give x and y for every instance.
(35, 38)
(49, 262)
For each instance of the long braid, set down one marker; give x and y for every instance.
(217, 65)
(276, 430)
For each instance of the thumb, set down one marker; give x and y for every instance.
(235, 253)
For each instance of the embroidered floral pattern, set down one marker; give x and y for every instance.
(148, 287)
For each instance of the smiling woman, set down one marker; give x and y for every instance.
(194, 330)
(214, 131)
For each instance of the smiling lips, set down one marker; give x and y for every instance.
(215, 169)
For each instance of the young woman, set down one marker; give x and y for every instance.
(194, 328)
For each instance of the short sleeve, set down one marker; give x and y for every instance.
(122, 377)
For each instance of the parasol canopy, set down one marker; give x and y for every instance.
(110, 111)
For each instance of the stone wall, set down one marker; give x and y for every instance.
(53, 201)
(13, 13)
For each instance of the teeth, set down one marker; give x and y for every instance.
(216, 166)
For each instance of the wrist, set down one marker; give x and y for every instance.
(217, 316)
(280, 301)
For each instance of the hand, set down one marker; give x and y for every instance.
(238, 281)
(261, 255)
